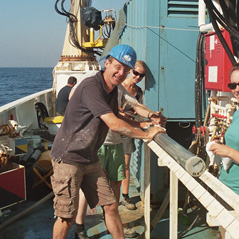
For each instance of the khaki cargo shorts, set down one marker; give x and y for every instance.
(66, 182)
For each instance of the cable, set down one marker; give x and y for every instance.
(223, 42)
(224, 9)
(215, 16)
(231, 29)
(57, 9)
(215, 13)
(197, 219)
(237, 13)
(69, 15)
(199, 76)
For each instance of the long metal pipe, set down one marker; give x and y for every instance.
(27, 211)
(203, 27)
(194, 165)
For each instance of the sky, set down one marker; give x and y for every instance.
(33, 33)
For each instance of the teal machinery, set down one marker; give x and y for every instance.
(170, 36)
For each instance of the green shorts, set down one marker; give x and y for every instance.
(112, 161)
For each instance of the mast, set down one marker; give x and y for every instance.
(75, 59)
(80, 47)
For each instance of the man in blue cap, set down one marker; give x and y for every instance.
(92, 110)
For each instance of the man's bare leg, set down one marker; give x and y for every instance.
(125, 182)
(113, 221)
(222, 232)
(82, 208)
(80, 231)
(62, 227)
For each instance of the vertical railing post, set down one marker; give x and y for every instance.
(173, 209)
(147, 191)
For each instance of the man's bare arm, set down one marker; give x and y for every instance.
(120, 126)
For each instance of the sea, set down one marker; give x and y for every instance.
(18, 82)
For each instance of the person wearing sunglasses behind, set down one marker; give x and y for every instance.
(231, 146)
(132, 95)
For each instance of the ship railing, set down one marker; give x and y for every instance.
(221, 203)
(26, 106)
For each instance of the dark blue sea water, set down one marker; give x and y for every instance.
(16, 83)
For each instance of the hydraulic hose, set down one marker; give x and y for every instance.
(237, 13)
(211, 8)
(72, 22)
(222, 40)
(197, 219)
(221, 19)
(199, 76)
(224, 9)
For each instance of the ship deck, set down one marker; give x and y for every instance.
(39, 222)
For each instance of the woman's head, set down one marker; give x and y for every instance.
(138, 72)
(234, 78)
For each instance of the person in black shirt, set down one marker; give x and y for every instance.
(92, 110)
(63, 96)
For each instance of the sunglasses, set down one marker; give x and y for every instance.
(232, 86)
(136, 73)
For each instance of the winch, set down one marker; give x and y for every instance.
(12, 129)
(9, 134)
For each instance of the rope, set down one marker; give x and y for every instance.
(165, 28)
